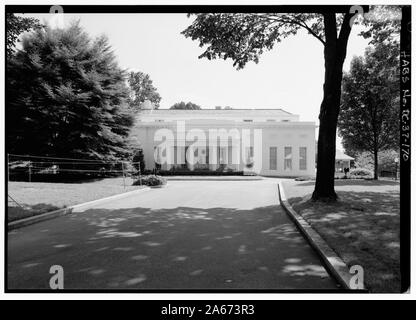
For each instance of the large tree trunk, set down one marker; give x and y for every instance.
(375, 163)
(334, 54)
(328, 118)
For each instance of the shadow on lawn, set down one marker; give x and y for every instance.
(354, 182)
(184, 247)
(364, 228)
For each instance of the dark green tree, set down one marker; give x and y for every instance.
(15, 26)
(369, 116)
(67, 97)
(142, 89)
(138, 161)
(185, 106)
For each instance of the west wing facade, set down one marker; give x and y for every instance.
(270, 142)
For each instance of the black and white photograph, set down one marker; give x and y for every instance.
(207, 149)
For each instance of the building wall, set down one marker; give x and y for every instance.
(295, 136)
(277, 133)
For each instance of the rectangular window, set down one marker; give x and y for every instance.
(302, 158)
(288, 158)
(273, 158)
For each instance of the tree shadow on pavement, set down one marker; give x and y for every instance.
(180, 248)
(355, 182)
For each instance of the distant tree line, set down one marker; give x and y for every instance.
(185, 106)
(142, 89)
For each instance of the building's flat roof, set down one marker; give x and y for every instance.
(263, 111)
(339, 155)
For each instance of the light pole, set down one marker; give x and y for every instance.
(396, 161)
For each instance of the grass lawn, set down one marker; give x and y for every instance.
(363, 227)
(41, 197)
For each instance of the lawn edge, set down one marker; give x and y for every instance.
(209, 178)
(333, 262)
(17, 224)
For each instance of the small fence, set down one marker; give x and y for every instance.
(390, 174)
(59, 169)
(69, 181)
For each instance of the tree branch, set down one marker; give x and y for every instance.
(303, 24)
(296, 22)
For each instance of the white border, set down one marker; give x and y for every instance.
(204, 296)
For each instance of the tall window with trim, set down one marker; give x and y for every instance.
(302, 158)
(273, 158)
(288, 158)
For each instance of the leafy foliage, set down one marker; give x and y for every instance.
(385, 160)
(243, 37)
(67, 97)
(361, 173)
(142, 89)
(16, 25)
(364, 160)
(369, 117)
(383, 24)
(151, 181)
(185, 106)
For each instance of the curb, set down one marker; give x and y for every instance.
(333, 263)
(65, 211)
(212, 179)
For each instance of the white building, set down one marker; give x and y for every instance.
(342, 161)
(271, 142)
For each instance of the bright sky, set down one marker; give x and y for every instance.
(288, 77)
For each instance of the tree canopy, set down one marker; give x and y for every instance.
(243, 37)
(15, 26)
(67, 97)
(142, 89)
(369, 117)
(382, 24)
(185, 106)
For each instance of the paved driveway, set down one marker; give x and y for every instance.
(189, 235)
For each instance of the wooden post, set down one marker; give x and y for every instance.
(124, 177)
(140, 175)
(30, 171)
